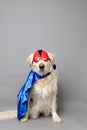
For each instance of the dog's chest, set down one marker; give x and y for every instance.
(43, 88)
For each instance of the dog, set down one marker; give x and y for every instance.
(43, 95)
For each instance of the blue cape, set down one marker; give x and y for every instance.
(24, 92)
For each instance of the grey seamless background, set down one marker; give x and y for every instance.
(59, 26)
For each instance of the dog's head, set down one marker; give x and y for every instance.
(41, 61)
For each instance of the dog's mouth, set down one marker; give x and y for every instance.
(42, 70)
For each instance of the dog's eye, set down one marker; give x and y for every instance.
(37, 58)
(44, 58)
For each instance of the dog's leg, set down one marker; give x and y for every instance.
(25, 118)
(34, 112)
(55, 116)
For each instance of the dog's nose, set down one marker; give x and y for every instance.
(41, 66)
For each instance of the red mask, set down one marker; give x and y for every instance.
(40, 55)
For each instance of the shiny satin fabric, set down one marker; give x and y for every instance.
(24, 92)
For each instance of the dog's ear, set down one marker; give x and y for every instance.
(30, 59)
(51, 57)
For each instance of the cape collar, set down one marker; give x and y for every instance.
(43, 76)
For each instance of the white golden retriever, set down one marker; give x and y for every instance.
(43, 95)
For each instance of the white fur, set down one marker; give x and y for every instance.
(43, 94)
(9, 114)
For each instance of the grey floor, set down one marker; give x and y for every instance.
(59, 26)
(75, 119)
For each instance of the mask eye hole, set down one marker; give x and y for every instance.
(44, 58)
(37, 59)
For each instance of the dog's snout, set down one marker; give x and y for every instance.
(41, 66)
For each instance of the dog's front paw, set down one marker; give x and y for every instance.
(34, 116)
(56, 118)
(24, 119)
